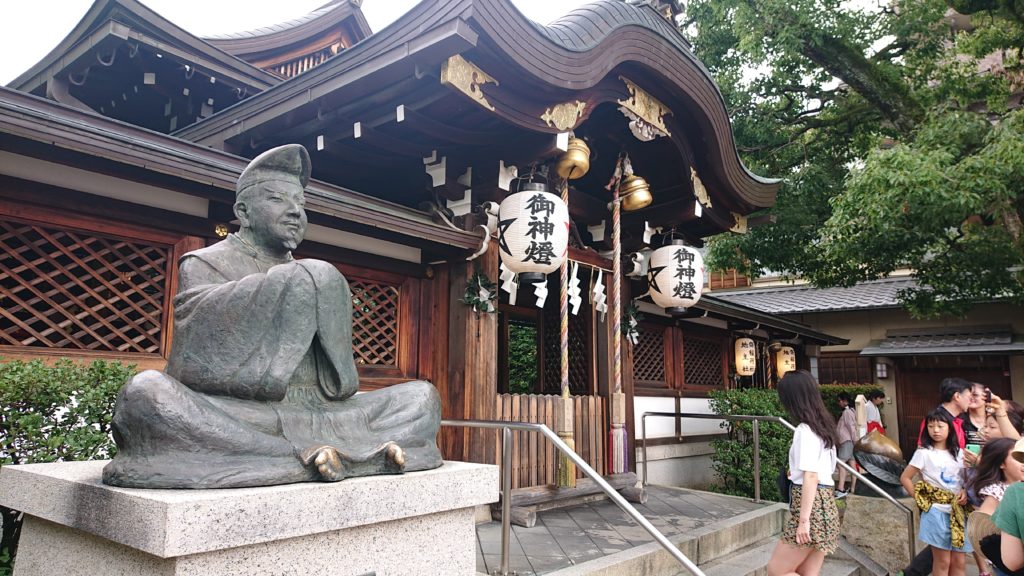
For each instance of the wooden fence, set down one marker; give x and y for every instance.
(533, 456)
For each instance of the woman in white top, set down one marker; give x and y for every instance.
(812, 531)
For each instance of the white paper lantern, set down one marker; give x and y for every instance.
(746, 357)
(533, 232)
(785, 360)
(676, 276)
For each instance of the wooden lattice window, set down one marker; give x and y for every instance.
(375, 308)
(844, 369)
(704, 362)
(67, 289)
(649, 357)
(579, 352)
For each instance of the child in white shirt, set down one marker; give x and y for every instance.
(939, 494)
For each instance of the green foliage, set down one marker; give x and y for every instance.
(53, 413)
(734, 455)
(522, 357)
(896, 152)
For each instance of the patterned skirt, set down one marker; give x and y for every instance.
(824, 520)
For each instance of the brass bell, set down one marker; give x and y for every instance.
(635, 193)
(575, 161)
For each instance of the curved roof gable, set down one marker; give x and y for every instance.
(591, 42)
(340, 21)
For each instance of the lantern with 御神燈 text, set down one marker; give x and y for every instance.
(533, 232)
(676, 276)
(785, 360)
(746, 357)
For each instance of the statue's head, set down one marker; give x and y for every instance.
(269, 198)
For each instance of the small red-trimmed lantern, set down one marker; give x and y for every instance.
(533, 232)
(746, 357)
(676, 276)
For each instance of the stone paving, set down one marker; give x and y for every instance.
(576, 534)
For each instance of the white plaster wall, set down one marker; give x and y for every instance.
(662, 427)
(685, 465)
(28, 168)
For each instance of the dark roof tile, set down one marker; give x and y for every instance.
(805, 298)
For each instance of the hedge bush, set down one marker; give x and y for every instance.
(52, 413)
(734, 455)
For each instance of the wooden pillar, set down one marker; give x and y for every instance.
(473, 356)
(433, 361)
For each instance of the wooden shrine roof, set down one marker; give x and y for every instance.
(589, 58)
(39, 127)
(131, 20)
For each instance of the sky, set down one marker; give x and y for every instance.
(30, 29)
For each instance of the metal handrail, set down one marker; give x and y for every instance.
(757, 458)
(506, 485)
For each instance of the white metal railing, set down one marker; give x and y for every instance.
(756, 420)
(506, 486)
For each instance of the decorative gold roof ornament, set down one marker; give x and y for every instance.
(565, 115)
(740, 226)
(466, 77)
(645, 112)
(699, 190)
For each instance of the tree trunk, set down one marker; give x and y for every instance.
(9, 542)
(886, 92)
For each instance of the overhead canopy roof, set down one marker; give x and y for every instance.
(773, 324)
(949, 340)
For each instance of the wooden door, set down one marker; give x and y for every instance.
(917, 385)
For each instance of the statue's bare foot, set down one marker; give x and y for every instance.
(395, 457)
(333, 465)
(328, 462)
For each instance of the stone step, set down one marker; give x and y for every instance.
(753, 561)
(703, 546)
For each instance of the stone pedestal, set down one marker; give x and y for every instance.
(416, 523)
(879, 529)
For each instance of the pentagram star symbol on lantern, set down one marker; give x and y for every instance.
(504, 225)
(653, 275)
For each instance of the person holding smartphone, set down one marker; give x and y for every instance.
(974, 417)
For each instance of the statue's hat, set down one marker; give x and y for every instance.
(288, 163)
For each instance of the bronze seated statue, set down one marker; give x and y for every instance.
(260, 386)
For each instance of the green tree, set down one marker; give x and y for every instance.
(897, 149)
(49, 413)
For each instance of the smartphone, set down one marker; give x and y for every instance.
(988, 395)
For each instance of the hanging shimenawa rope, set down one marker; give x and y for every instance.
(616, 289)
(618, 438)
(566, 477)
(563, 303)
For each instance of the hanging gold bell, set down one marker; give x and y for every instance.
(575, 161)
(635, 193)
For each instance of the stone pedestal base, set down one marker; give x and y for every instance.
(417, 523)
